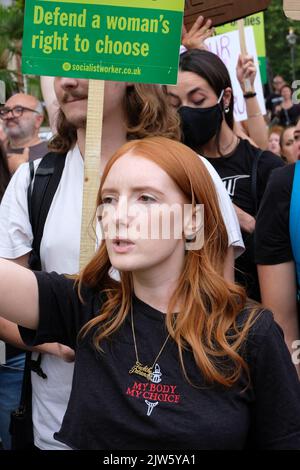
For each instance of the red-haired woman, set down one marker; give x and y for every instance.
(170, 356)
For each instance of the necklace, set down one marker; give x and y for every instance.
(139, 368)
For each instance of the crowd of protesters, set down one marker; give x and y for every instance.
(220, 321)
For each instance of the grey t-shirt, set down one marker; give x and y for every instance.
(35, 151)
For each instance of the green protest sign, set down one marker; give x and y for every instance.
(123, 40)
(258, 24)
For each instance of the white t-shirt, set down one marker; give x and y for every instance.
(60, 252)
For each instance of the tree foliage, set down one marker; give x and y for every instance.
(11, 32)
(278, 50)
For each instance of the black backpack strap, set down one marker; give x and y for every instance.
(21, 427)
(46, 181)
(43, 185)
(35, 366)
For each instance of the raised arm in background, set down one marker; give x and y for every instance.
(256, 125)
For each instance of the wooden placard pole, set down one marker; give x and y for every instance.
(243, 44)
(92, 161)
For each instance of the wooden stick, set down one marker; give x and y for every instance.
(91, 170)
(243, 44)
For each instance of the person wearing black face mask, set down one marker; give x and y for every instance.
(209, 120)
(203, 97)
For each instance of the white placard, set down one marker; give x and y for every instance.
(227, 48)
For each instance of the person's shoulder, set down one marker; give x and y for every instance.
(212, 171)
(247, 149)
(207, 164)
(42, 144)
(263, 333)
(88, 293)
(260, 319)
(281, 179)
(22, 174)
(263, 155)
(69, 284)
(272, 157)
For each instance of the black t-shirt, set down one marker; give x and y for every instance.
(288, 117)
(111, 409)
(272, 235)
(275, 99)
(236, 171)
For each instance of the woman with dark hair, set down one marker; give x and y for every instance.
(172, 356)
(287, 148)
(204, 99)
(4, 171)
(288, 112)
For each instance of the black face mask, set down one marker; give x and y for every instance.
(200, 125)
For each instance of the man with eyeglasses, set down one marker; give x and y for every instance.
(22, 116)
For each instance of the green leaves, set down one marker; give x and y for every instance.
(278, 50)
(11, 32)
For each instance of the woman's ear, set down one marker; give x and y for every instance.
(227, 97)
(194, 226)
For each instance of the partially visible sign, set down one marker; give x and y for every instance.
(227, 47)
(132, 40)
(222, 11)
(258, 23)
(292, 9)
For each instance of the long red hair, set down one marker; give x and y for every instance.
(209, 305)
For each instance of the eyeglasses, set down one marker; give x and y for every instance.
(16, 111)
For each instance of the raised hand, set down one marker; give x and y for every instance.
(246, 70)
(199, 32)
